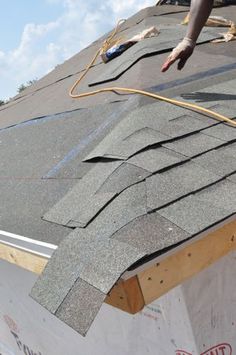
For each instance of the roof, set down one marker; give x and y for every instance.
(115, 179)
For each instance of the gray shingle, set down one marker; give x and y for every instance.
(182, 125)
(156, 159)
(89, 209)
(130, 204)
(220, 94)
(221, 195)
(218, 162)
(131, 123)
(155, 45)
(218, 108)
(107, 264)
(119, 65)
(193, 145)
(82, 200)
(232, 178)
(147, 125)
(229, 149)
(222, 131)
(123, 177)
(151, 233)
(171, 185)
(193, 214)
(80, 307)
(95, 259)
(137, 141)
(62, 270)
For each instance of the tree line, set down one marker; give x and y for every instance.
(21, 88)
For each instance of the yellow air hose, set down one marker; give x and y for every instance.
(106, 44)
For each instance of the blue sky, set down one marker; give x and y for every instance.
(21, 13)
(36, 35)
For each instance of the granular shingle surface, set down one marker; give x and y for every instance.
(81, 306)
(175, 183)
(119, 178)
(194, 144)
(156, 159)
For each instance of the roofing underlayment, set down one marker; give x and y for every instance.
(116, 178)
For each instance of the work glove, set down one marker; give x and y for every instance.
(182, 52)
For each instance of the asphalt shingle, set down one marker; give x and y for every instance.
(82, 202)
(81, 306)
(123, 177)
(130, 204)
(194, 144)
(156, 159)
(222, 131)
(193, 214)
(111, 259)
(149, 46)
(221, 195)
(171, 185)
(151, 233)
(112, 201)
(217, 161)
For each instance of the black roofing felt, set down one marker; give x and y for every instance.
(113, 182)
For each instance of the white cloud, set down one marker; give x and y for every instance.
(43, 46)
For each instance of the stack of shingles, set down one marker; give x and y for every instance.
(161, 176)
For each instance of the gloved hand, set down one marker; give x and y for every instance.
(182, 52)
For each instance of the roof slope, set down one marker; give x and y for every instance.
(118, 178)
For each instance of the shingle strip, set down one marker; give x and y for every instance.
(193, 214)
(97, 260)
(232, 178)
(80, 307)
(137, 141)
(173, 184)
(123, 177)
(156, 159)
(111, 259)
(151, 233)
(63, 269)
(221, 131)
(221, 195)
(194, 145)
(218, 161)
(82, 199)
(130, 204)
(155, 45)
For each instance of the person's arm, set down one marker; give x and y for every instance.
(199, 13)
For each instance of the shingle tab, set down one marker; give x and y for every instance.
(221, 195)
(193, 214)
(130, 204)
(154, 45)
(111, 259)
(232, 178)
(151, 233)
(137, 141)
(62, 270)
(119, 65)
(182, 125)
(171, 185)
(80, 307)
(222, 131)
(99, 261)
(82, 200)
(156, 159)
(123, 177)
(110, 200)
(193, 145)
(217, 161)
